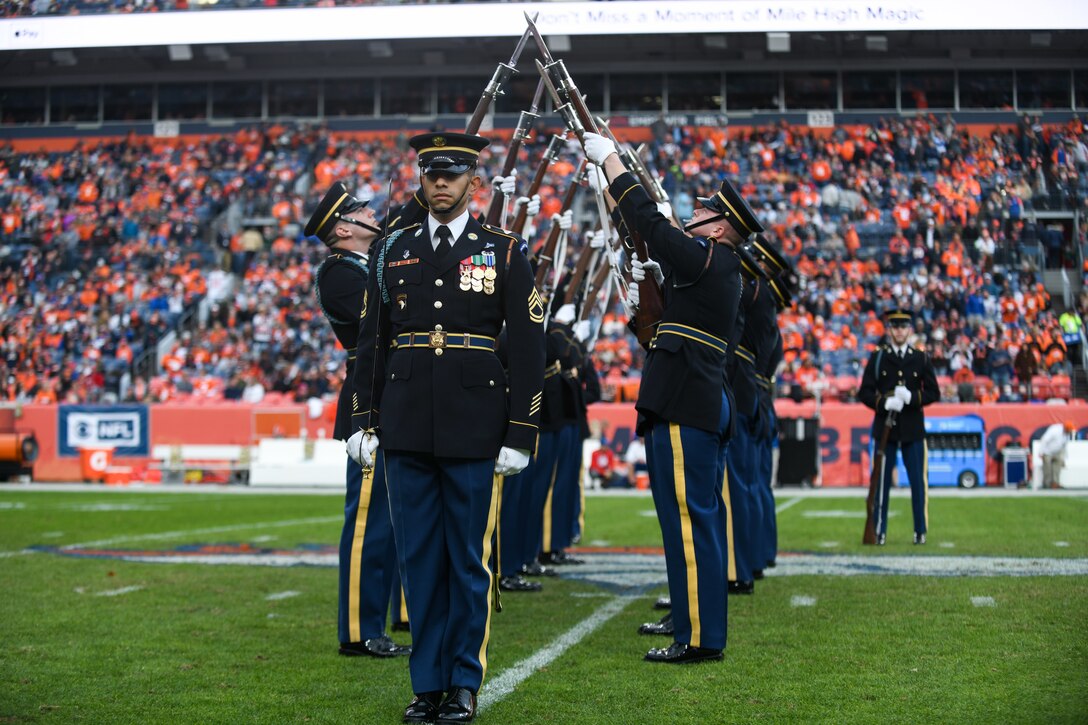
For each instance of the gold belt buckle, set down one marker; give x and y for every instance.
(436, 338)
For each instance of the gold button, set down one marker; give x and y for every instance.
(438, 351)
(393, 376)
(438, 283)
(438, 304)
(400, 281)
(438, 328)
(491, 383)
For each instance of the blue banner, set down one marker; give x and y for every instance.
(124, 428)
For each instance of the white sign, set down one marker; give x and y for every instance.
(97, 430)
(507, 20)
(167, 129)
(821, 119)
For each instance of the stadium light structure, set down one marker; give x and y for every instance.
(180, 52)
(778, 42)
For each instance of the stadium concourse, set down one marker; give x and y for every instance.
(112, 245)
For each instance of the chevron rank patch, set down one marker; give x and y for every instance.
(536, 307)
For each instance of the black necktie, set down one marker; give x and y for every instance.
(444, 236)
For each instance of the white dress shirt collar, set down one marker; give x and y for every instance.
(457, 227)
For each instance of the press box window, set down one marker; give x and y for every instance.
(1080, 87)
(236, 100)
(126, 103)
(73, 104)
(459, 95)
(1041, 89)
(923, 90)
(635, 92)
(295, 99)
(695, 92)
(752, 91)
(811, 90)
(19, 106)
(183, 101)
(874, 89)
(986, 89)
(349, 97)
(406, 97)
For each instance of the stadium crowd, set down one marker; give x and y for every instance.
(110, 246)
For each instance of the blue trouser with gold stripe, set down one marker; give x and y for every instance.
(742, 470)
(368, 556)
(767, 550)
(538, 477)
(687, 473)
(515, 494)
(559, 507)
(914, 460)
(443, 518)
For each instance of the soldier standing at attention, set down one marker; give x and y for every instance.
(431, 391)
(899, 379)
(368, 558)
(684, 400)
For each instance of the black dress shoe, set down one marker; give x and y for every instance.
(742, 587)
(771, 564)
(376, 647)
(401, 627)
(518, 584)
(558, 558)
(459, 706)
(663, 603)
(757, 573)
(535, 568)
(681, 654)
(919, 538)
(423, 708)
(662, 626)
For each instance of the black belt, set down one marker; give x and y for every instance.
(691, 333)
(440, 340)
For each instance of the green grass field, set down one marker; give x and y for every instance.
(103, 640)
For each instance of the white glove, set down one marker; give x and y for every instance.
(596, 239)
(632, 295)
(563, 220)
(534, 205)
(666, 209)
(638, 270)
(581, 330)
(903, 394)
(565, 314)
(893, 404)
(361, 447)
(511, 461)
(595, 178)
(505, 184)
(597, 147)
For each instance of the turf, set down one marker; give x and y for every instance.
(192, 643)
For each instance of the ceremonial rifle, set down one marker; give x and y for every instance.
(550, 154)
(547, 252)
(876, 481)
(503, 73)
(525, 121)
(576, 278)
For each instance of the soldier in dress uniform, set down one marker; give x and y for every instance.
(898, 383)
(768, 357)
(684, 400)
(368, 560)
(430, 390)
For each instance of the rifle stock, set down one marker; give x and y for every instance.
(550, 155)
(578, 275)
(547, 252)
(876, 480)
(503, 73)
(525, 121)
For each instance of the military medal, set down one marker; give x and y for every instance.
(477, 273)
(489, 287)
(477, 285)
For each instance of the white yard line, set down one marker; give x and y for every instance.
(785, 505)
(276, 596)
(983, 601)
(201, 532)
(118, 592)
(501, 686)
(800, 600)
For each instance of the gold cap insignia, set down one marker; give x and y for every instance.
(439, 141)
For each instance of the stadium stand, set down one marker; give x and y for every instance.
(109, 248)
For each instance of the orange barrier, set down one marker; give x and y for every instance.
(94, 462)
